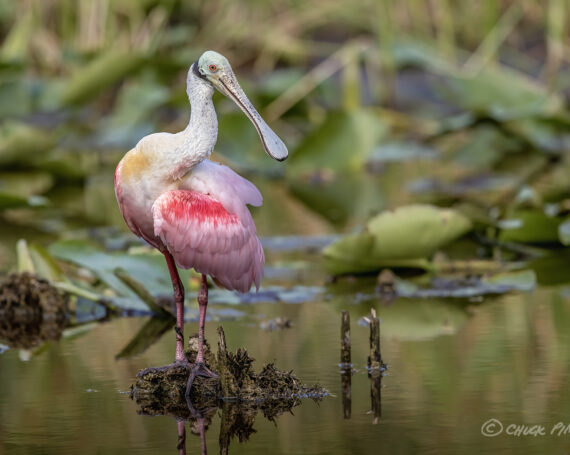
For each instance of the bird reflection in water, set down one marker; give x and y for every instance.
(198, 423)
(236, 422)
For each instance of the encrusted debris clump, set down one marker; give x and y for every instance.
(31, 310)
(162, 390)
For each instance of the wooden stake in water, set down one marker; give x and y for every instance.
(345, 340)
(374, 359)
(345, 365)
(375, 367)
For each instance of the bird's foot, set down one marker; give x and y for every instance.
(184, 362)
(198, 369)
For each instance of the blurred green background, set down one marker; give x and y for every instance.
(381, 103)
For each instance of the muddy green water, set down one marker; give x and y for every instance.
(452, 367)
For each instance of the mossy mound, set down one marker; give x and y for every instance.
(31, 310)
(162, 390)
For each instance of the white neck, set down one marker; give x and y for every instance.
(199, 137)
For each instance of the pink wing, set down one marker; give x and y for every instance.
(224, 185)
(200, 232)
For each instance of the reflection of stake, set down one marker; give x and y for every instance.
(345, 365)
(225, 433)
(346, 380)
(375, 398)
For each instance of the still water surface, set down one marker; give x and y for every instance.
(452, 366)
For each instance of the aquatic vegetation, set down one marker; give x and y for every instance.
(270, 390)
(405, 237)
(32, 311)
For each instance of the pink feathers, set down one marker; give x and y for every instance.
(189, 206)
(200, 232)
(202, 219)
(232, 190)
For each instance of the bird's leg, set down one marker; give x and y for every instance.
(200, 417)
(181, 446)
(179, 300)
(202, 304)
(202, 427)
(199, 368)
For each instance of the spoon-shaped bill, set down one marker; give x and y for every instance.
(274, 146)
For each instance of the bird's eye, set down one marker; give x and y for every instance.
(213, 68)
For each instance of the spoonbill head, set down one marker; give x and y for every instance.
(216, 69)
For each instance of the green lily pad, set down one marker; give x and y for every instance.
(416, 230)
(405, 237)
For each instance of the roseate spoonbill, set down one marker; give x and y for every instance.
(194, 210)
